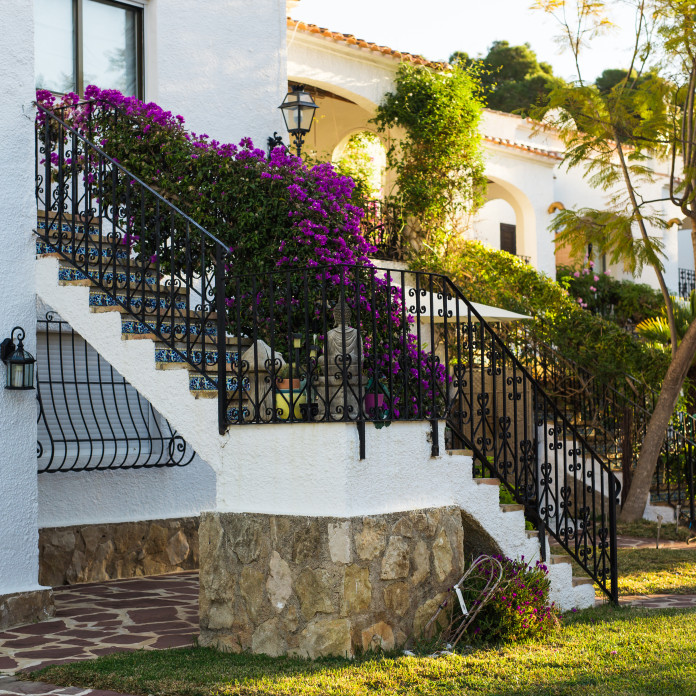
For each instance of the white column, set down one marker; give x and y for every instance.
(19, 561)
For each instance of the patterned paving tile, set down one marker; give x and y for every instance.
(101, 618)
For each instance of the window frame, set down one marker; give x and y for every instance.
(78, 33)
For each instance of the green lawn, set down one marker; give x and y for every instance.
(597, 652)
(648, 530)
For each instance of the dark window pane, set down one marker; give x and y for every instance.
(54, 45)
(508, 238)
(110, 48)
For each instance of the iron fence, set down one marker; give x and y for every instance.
(687, 282)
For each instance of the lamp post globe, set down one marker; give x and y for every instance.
(298, 109)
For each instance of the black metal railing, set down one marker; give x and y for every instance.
(687, 282)
(383, 227)
(613, 417)
(341, 344)
(90, 417)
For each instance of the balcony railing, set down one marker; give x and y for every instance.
(687, 282)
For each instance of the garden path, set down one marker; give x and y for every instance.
(96, 619)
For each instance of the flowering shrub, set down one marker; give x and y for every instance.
(520, 606)
(276, 217)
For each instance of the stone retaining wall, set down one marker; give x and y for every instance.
(25, 607)
(97, 552)
(315, 586)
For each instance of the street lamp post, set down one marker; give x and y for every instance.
(298, 109)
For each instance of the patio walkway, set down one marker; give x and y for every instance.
(101, 618)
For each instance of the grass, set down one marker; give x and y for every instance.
(648, 530)
(653, 571)
(598, 652)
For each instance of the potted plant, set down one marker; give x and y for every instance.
(290, 395)
(283, 380)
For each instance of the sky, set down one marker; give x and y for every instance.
(437, 28)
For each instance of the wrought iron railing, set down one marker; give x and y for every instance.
(687, 282)
(356, 344)
(90, 417)
(613, 418)
(383, 227)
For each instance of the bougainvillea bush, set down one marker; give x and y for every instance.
(290, 233)
(519, 608)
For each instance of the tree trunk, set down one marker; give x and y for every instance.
(654, 437)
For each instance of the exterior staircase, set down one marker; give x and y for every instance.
(162, 320)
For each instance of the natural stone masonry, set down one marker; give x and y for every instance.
(25, 607)
(314, 586)
(93, 553)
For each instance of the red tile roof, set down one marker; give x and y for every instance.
(351, 40)
(505, 142)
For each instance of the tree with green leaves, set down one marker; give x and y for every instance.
(614, 130)
(512, 78)
(438, 160)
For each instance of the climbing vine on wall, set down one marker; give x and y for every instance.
(437, 158)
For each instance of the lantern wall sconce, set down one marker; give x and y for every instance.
(20, 363)
(298, 109)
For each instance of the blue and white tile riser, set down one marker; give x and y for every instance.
(169, 355)
(107, 251)
(69, 274)
(67, 227)
(165, 328)
(101, 299)
(200, 383)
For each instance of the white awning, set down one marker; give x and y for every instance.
(454, 307)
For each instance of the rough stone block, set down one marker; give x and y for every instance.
(25, 607)
(324, 586)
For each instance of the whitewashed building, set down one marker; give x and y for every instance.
(226, 66)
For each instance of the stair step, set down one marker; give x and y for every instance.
(165, 312)
(560, 558)
(512, 507)
(53, 250)
(131, 328)
(531, 533)
(487, 481)
(582, 581)
(67, 275)
(167, 357)
(461, 452)
(99, 298)
(198, 383)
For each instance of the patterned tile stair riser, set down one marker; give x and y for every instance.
(101, 299)
(203, 384)
(68, 274)
(108, 251)
(170, 356)
(130, 326)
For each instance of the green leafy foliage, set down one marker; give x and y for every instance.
(512, 78)
(438, 160)
(501, 279)
(621, 301)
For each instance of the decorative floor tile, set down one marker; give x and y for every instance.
(100, 618)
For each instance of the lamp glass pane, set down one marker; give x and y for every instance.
(29, 376)
(292, 119)
(17, 375)
(306, 116)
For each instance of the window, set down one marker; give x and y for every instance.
(508, 238)
(83, 42)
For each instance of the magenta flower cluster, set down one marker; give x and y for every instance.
(273, 214)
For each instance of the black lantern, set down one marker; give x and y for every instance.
(20, 363)
(298, 109)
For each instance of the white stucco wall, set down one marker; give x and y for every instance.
(220, 65)
(18, 496)
(94, 497)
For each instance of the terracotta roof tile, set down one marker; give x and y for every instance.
(361, 43)
(506, 142)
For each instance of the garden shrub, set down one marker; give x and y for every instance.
(621, 301)
(497, 278)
